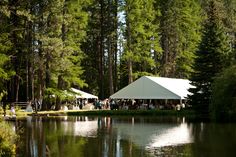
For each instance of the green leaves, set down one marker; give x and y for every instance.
(142, 38)
(7, 140)
(180, 23)
(210, 60)
(223, 102)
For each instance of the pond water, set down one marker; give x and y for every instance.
(123, 137)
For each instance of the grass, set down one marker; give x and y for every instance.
(132, 112)
(19, 113)
(187, 113)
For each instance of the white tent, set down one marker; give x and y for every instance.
(82, 94)
(148, 87)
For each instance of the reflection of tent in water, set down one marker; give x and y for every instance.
(155, 135)
(175, 136)
(81, 128)
(82, 94)
(86, 128)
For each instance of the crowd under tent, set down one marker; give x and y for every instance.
(148, 87)
(79, 94)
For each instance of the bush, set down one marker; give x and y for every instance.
(223, 102)
(7, 140)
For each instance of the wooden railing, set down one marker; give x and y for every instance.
(22, 105)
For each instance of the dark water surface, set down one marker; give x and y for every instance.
(123, 137)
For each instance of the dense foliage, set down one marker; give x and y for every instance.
(211, 58)
(49, 46)
(223, 105)
(7, 140)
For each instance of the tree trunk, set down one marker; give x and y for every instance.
(110, 58)
(130, 64)
(17, 86)
(115, 41)
(110, 50)
(28, 58)
(101, 69)
(130, 70)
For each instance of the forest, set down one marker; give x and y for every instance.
(100, 46)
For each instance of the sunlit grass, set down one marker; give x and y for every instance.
(22, 113)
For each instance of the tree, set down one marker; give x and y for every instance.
(8, 138)
(61, 29)
(101, 48)
(223, 104)
(40, 44)
(180, 23)
(4, 75)
(142, 41)
(5, 46)
(210, 60)
(15, 16)
(229, 19)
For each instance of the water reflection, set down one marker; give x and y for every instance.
(95, 136)
(80, 127)
(122, 137)
(158, 135)
(173, 136)
(214, 140)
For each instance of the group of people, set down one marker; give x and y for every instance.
(110, 104)
(137, 104)
(106, 104)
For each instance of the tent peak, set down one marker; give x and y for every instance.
(83, 94)
(167, 78)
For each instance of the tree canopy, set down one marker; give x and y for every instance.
(100, 46)
(211, 58)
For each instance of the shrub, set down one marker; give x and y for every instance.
(7, 140)
(223, 103)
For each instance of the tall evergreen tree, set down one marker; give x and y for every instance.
(19, 17)
(60, 30)
(40, 40)
(209, 61)
(5, 46)
(180, 34)
(230, 24)
(142, 41)
(101, 48)
(74, 22)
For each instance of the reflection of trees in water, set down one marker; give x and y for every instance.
(113, 137)
(40, 139)
(32, 137)
(214, 139)
(57, 137)
(109, 142)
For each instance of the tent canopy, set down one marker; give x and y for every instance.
(148, 87)
(82, 94)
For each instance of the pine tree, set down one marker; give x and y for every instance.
(58, 59)
(91, 48)
(16, 32)
(230, 24)
(72, 33)
(223, 104)
(209, 61)
(180, 34)
(142, 41)
(5, 46)
(101, 48)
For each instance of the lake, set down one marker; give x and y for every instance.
(81, 136)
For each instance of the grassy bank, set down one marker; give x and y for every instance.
(132, 113)
(186, 113)
(19, 113)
